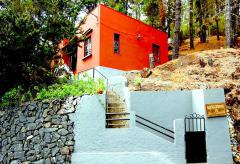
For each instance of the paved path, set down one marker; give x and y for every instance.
(121, 158)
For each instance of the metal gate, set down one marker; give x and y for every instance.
(195, 138)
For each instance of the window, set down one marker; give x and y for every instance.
(156, 53)
(116, 43)
(73, 61)
(87, 47)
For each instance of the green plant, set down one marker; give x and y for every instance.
(30, 34)
(73, 88)
(27, 96)
(12, 97)
(100, 85)
(60, 90)
(138, 81)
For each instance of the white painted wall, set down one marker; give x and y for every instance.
(96, 144)
(161, 107)
(126, 146)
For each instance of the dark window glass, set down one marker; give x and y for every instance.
(116, 43)
(73, 61)
(156, 53)
(87, 47)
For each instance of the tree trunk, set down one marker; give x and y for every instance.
(177, 29)
(234, 23)
(126, 6)
(191, 25)
(217, 19)
(237, 22)
(169, 18)
(162, 15)
(228, 24)
(200, 20)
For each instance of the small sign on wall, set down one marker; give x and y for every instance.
(216, 109)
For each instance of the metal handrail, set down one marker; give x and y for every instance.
(155, 129)
(106, 99)
(155, 124)
(172, 132)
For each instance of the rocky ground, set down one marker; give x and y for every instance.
(199, 70)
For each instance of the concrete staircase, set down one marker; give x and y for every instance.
(116, 112)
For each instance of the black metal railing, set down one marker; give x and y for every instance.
(151, 125)
(194, 123)
(94, 70)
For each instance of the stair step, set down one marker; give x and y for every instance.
(117, 124)
(117, 119)
(118, 113)
(114, 107)
(115, 103)
(112, 94)
(114, 100)
(116, 110)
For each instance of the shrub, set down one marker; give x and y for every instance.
(11, 97)
(59, 90)
(138, 81)
(73, 88)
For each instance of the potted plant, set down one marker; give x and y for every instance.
(100, 86)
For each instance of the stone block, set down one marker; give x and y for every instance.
(65, 150)
(63, 132)
(54, 151)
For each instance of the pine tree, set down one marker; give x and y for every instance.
(191, 25)
(234, 22)
(177, 29)
(217, 19)
(169, 16)
(228, 23)
(162, 15)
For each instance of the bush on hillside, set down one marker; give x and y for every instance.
(59, 90)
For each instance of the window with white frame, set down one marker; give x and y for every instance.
(87, 47)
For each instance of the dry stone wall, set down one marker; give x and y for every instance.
(37, 132)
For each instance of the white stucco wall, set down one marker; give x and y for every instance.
(96, 144)
(217, 129)
(161, 107)
(126, 146)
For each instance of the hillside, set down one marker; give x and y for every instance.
(213, 43)
(222, 69)
(200, 70)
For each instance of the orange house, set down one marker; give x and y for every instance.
(115, 40)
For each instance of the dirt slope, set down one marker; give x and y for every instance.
(187, 73)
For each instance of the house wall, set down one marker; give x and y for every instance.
(92, 22)
(134, 53)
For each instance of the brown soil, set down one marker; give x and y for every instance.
(212, 44)
(187, 73)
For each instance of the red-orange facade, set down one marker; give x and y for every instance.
(118, 41)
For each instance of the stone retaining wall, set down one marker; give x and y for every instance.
(37, 132)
